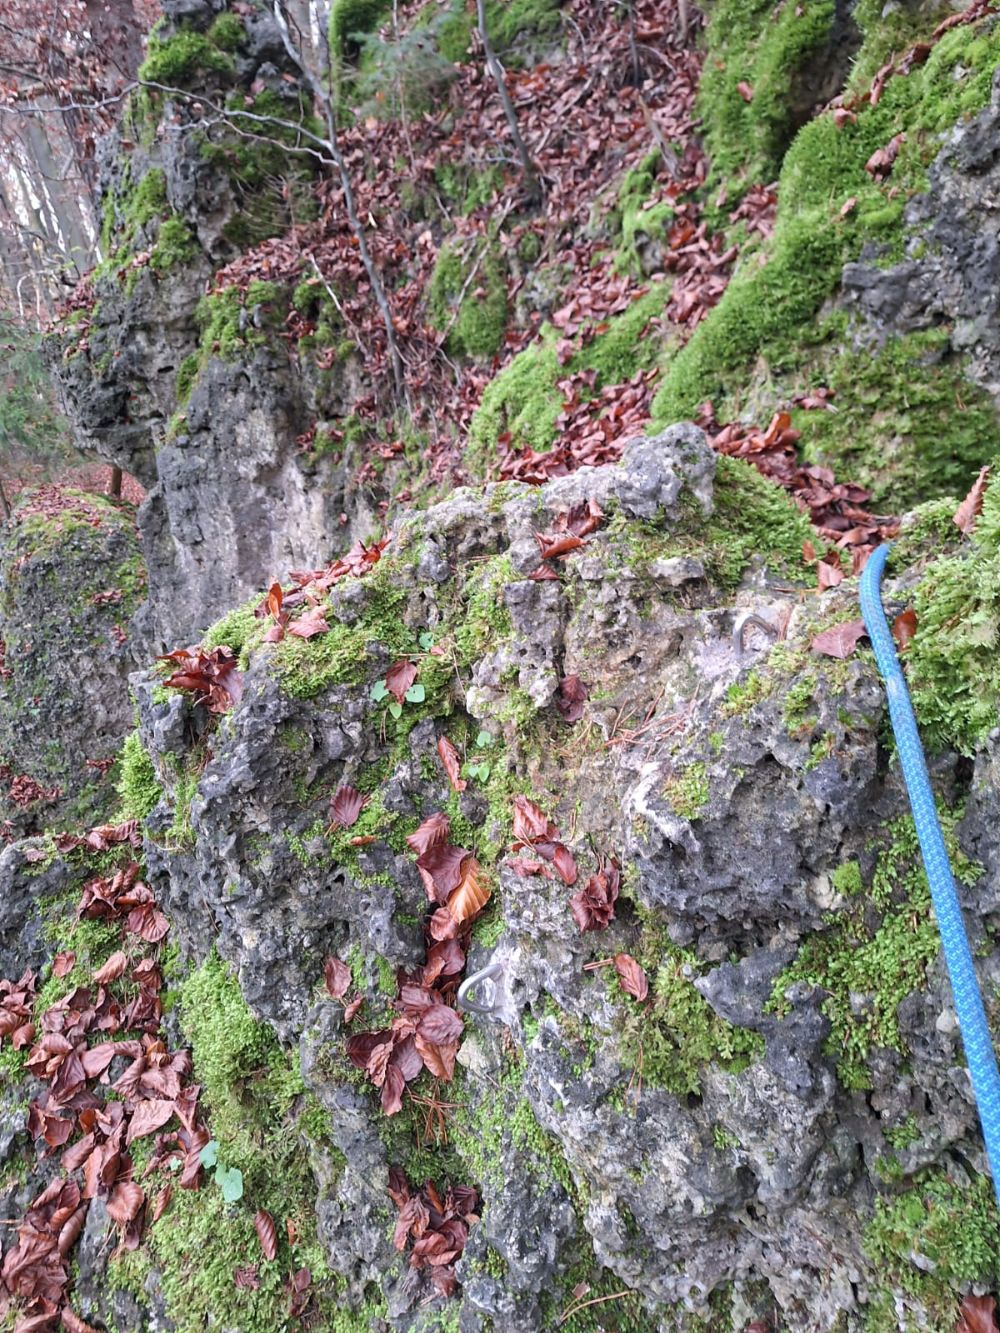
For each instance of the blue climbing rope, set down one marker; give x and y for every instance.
(979, 1052)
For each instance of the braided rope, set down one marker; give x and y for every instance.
(979, 1053)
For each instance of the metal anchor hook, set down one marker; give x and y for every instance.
(493, 1005)
(743, 622)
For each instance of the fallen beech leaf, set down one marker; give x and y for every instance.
(904, 627)
(632, 977)
(161, 1202)
(977, 1314)
(565, 864)
(829, 572)
(452, 764)
(351, 1010)
(551, 545)
(337, 976)
(112, 969)
(848, 207)
(313, 622)
(346, 805)
(399, 678)
(63, 963)
(440, 1024)
(530, 822)
(392, 1091)
(432, 831)
(744, 90)
(471, 895)
(840, 640)
(972, 506)
(125, 1201)
(573, 694)
(148, 1117)
(441, 869)
(266, 1233)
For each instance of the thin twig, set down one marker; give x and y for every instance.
(594, 1300)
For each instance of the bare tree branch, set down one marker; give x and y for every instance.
(532, 180)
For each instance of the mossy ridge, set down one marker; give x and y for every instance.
(179, 59)
(763, 47)
(257, 1107)
(769, 307)
(885, 962)
(929, 1241)
(952, 664)
(633, 215)
(913, 394)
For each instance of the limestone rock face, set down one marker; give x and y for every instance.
(952, 275)
(732, 1129)
(71, 576)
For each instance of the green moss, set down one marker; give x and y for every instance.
(908, 396)
(756, 43)
(91, 942)
(866, 970)
(754, 518)
(138, 787)
(187, 374)
(350, 19)
(525, 399)
(227, 32)
(258, 1111)
(177, 61)
(677, 1034)
(510, 22)
(952, 662)
(687, 792)
(769, 306)
(227, 331)
(486, 621)
(149, 198)
(632, 218)
(475, 320)
(846, 879)
(175, 245)
(942, 1231)
(237, 629)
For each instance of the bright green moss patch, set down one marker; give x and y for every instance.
(175, 245)
(149, 198)
(881, 963)
(181, 58)
(138, 787)
(677, 1033)
(239, 629)
(687, 792)
(468, 299)
(764, 47)
(523, 399)
(770, 304)
(952, 663)
(258, 1111)
(227, 32)
(942, 1231)
(895, 408)
(227, 329)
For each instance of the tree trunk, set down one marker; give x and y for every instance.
(532, 182)
(115, 484)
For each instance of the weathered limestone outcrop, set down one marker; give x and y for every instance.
(798, 1050)
(71, 577)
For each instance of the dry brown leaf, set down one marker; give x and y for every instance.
(471, 895)
(972, 506)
